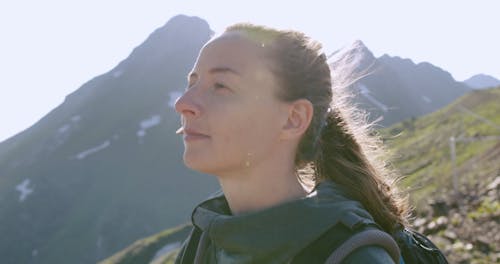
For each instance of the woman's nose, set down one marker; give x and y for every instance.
(185, 105)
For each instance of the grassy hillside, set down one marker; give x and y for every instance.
(463, 223)
(161, 248)
(421, 147)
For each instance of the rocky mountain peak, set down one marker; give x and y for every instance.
(172, 38)
(354, 58)
(360, 46)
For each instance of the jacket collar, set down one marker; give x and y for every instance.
(276, 234)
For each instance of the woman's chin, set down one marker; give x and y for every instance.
(198, 165)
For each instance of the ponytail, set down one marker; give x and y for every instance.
(341, 158)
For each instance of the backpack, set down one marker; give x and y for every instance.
(417, 248)
(404, 245)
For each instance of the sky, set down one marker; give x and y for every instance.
(49, 48)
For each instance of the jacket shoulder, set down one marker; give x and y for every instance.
(369, 254)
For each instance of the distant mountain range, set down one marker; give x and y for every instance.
(481, 81)
(395, 88)
(104, 168)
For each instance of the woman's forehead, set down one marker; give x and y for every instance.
(235, 53)
(232, 50)
(241, 37)
(233, 43)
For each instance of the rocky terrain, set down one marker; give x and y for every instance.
(465, 226)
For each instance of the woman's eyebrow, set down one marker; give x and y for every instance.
(223, 70)
(215, 70)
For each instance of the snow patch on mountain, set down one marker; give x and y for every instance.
(426, 99)
(147, 124)
(76, 118)
(366, 93)
(64, 128)
(67, 126)
(88, 152)
(24, 190)
(63, 132)
(117, 73)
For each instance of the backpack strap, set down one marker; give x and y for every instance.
(188, 250)
(365, 238)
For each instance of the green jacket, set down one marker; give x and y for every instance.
(280, 234)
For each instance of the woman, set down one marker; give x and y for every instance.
(258, 110)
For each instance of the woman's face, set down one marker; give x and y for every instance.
(230, 113)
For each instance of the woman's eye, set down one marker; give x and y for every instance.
(219, 86)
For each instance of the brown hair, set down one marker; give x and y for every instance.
(337, 144)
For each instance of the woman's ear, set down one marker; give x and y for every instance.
(300, 113)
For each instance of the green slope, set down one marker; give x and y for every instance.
(421, 147)
(145, 250)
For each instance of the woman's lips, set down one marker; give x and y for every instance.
(190, 135)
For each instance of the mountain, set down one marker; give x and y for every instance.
(104, 168)
(481, 81)
(392, 87)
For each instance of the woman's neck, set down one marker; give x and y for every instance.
(261, 188)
